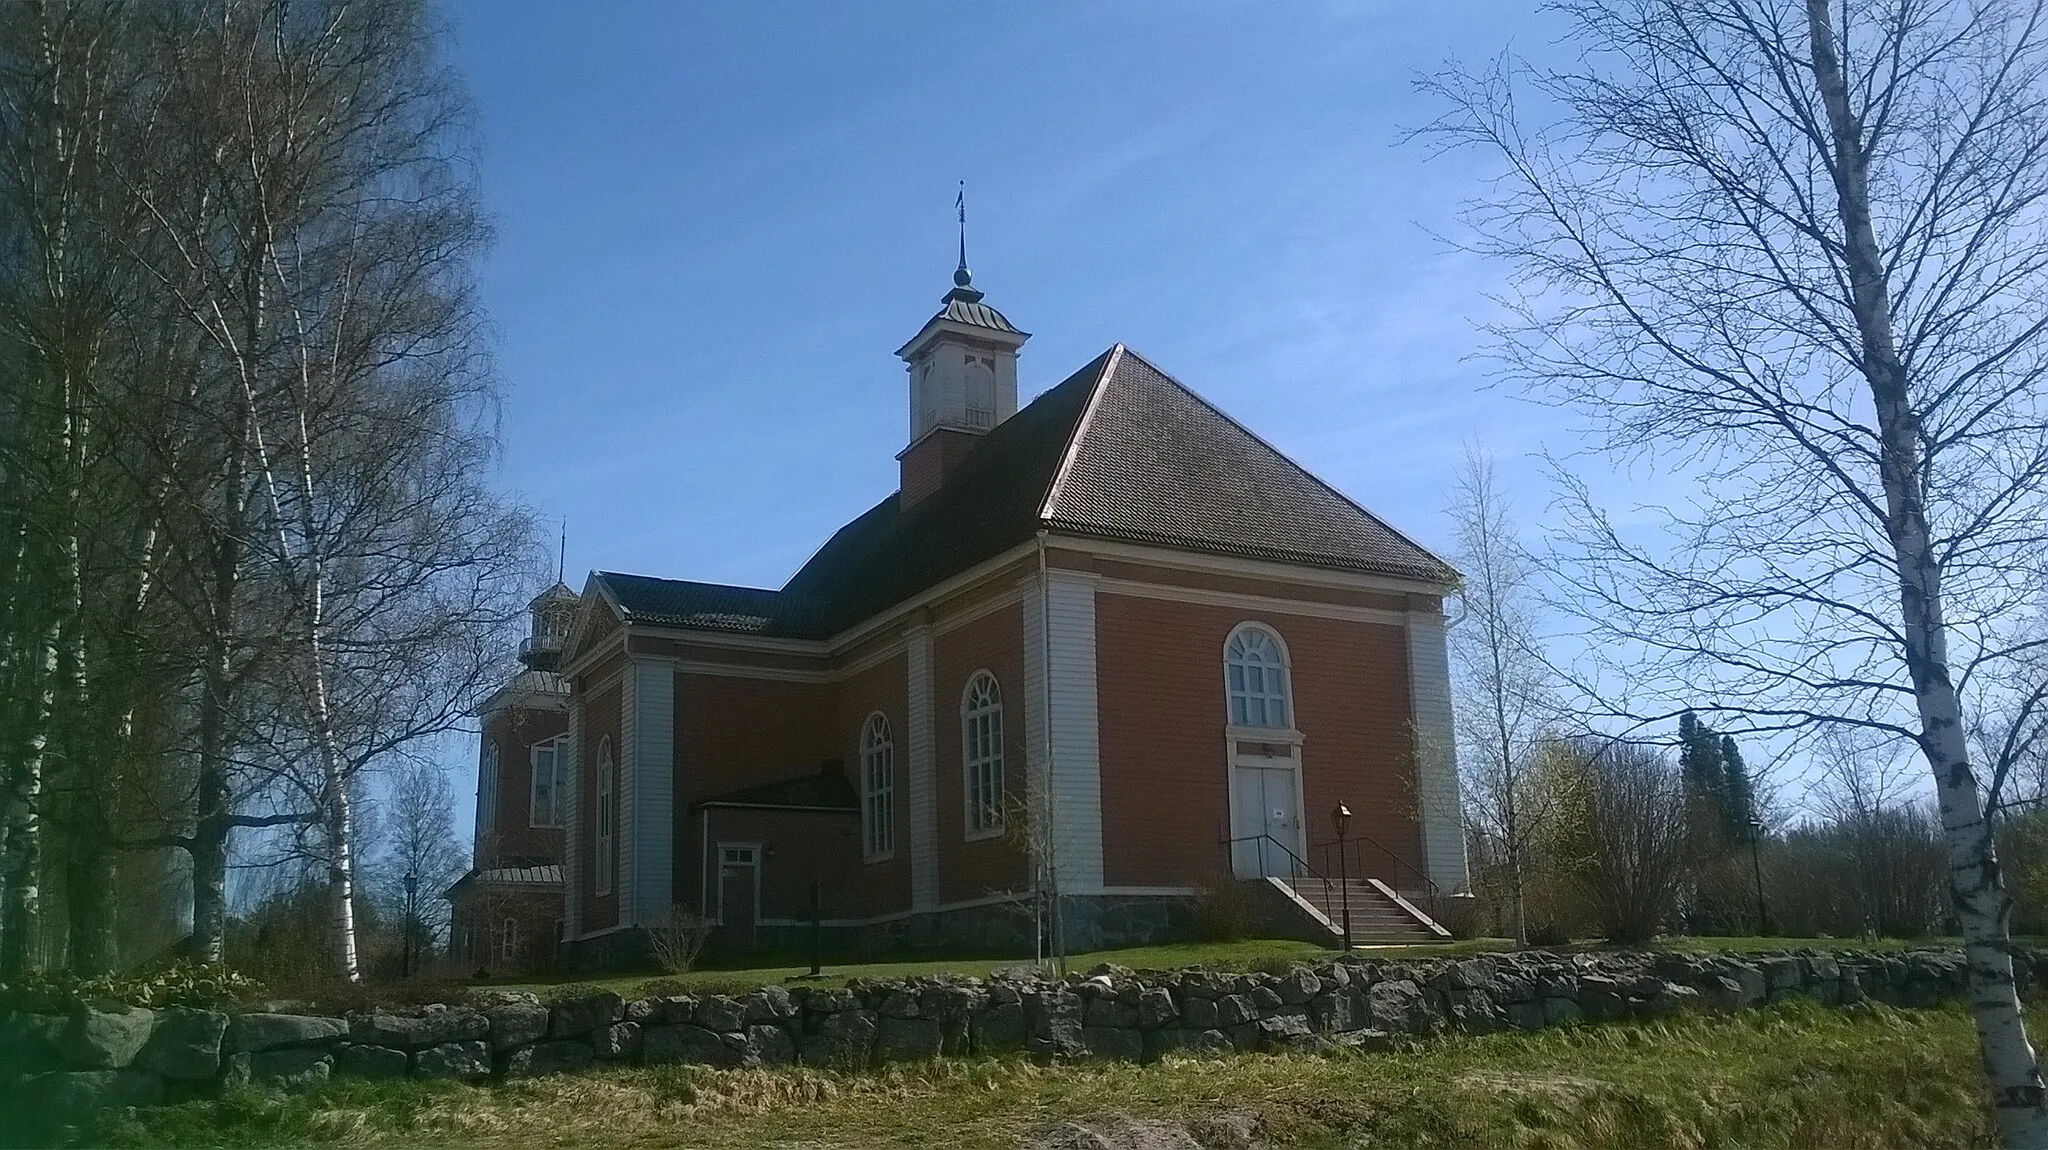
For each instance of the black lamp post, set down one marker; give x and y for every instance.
(412, 887)
(1342, 817)
(1756, 866)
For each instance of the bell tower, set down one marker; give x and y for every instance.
(963, 380)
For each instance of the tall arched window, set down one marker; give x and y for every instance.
(981, 731)
(487, 791)
(606, 848)
(1255, 677)
(877, 789)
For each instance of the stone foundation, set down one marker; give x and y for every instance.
(104, 1055)
(1093, 922)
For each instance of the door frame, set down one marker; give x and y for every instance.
(755, 866)
(1268, 748)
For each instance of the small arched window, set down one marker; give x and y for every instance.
(1255, 678)
(508, 943)
(877, 789)
(981, 730)
(607, 848)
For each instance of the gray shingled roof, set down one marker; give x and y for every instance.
(1156, 463)
(1119, 450)
(711, 606)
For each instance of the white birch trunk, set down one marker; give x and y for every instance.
(1982, 907)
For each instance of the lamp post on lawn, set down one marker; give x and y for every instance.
(1342, 817)
(412, 887)
(1756, 866)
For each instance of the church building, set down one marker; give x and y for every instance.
(1095, 660)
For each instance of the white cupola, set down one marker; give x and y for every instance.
(963, 381)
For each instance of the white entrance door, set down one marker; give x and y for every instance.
(1267, 818)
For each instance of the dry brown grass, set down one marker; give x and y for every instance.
(1792, 1077)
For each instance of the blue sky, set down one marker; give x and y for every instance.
(717, 222)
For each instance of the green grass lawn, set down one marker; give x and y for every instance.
(1793, 1076)
(1241, 955)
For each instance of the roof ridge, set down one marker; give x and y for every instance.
(1288, 459)
(692, 582)
(1110, 359)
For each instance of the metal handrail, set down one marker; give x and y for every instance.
(1433, 892)
(1300, 865)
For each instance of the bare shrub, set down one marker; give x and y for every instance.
(677, 942)
(1621, 836)
(1225, 910)
(1464, 915)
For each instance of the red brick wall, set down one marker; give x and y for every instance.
(600, 720)
(731, 733)
(477, 920)
(797, 849)
(993, 643)
(514, 731)
(1165, 796)
(876, 887)
(926, 464)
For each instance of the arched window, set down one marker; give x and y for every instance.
(546, 803)
(487, 791)
(1255, 676)
(606, 848)
(508, 943)
(877, 789)
(981, 730)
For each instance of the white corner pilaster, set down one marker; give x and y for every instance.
(923, 779)
(651, 854)
(1063, 740)
(1436, 753)
(572, 902)
(623, 845)
(1037, 751)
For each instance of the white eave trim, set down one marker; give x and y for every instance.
(1185, 560)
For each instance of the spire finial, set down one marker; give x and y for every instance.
(562, 555)
(961, 276)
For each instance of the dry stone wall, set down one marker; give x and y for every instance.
(106, 1055)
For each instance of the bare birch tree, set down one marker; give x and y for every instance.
(248, 549)
(328, 139)
(1791, 252)
(420, 840)
(1503, 683)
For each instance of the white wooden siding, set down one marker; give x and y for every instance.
(651, 849)
(625, 786)
(1064, 734)
(572, 901)
(1436, 768)
(1037, 757)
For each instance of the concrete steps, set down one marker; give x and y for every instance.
(1376, 920)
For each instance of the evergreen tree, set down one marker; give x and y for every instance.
(1699, 761)
(1738, 792)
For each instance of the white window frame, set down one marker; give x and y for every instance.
(877, 789)
(508, 942)
(1244, 707)
(487, 791)
(552, 816)
(605, 856)
(981, 757)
